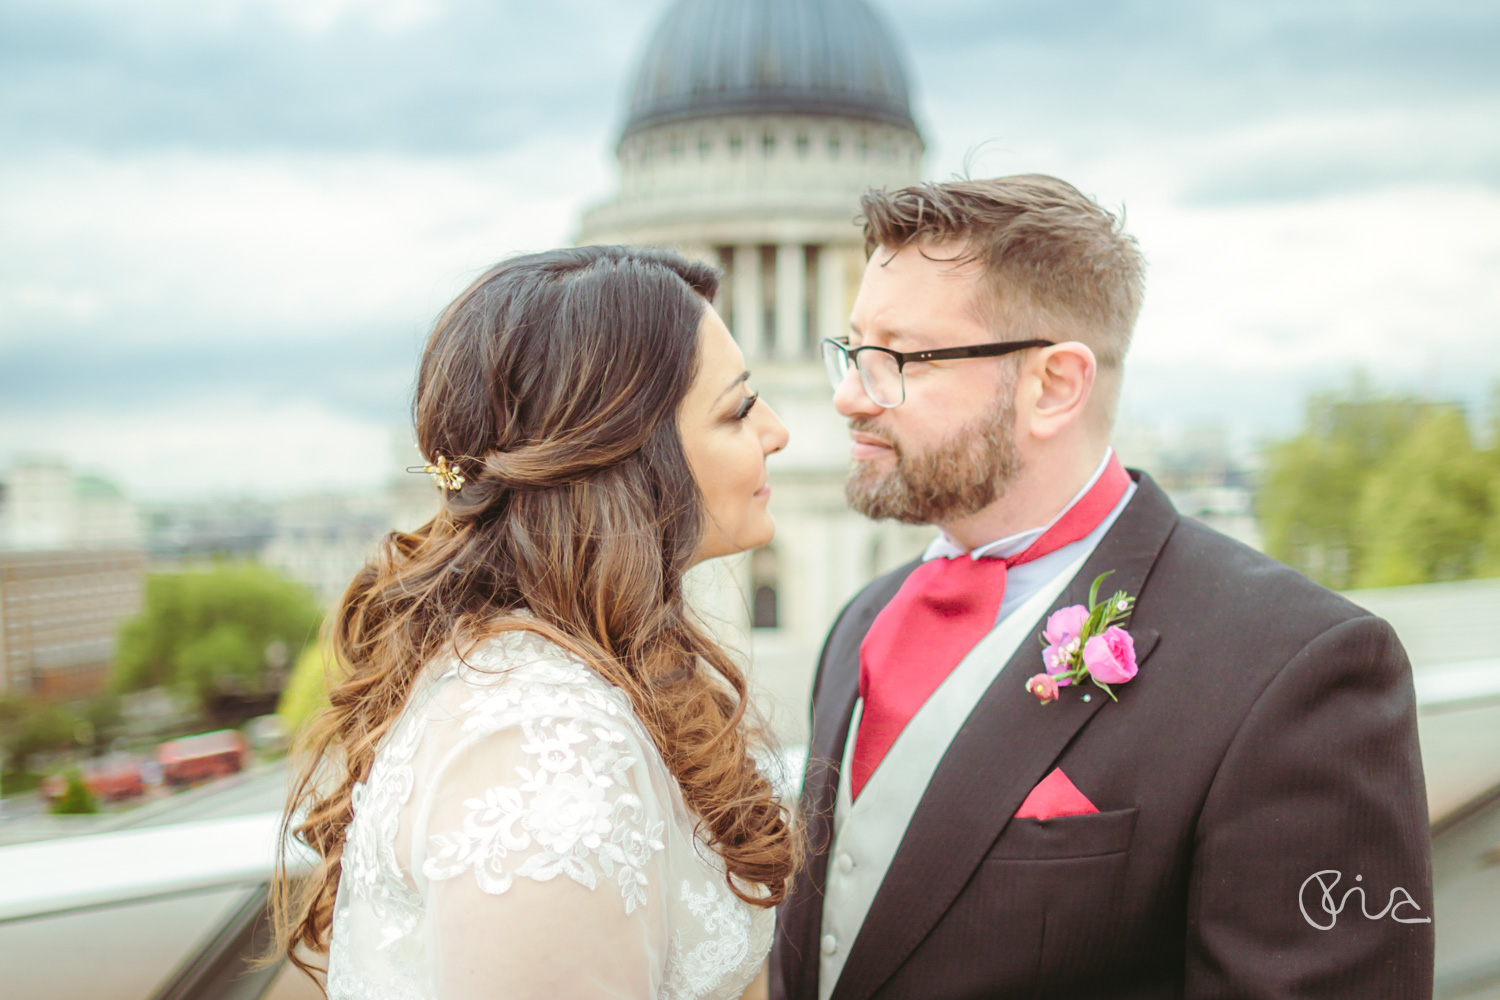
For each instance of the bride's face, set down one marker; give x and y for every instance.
(727, 434)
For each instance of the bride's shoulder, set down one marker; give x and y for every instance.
(520, 674)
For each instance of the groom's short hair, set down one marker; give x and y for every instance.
(1056, 264)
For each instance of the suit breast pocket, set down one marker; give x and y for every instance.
(1065, 837)
(1044, 905)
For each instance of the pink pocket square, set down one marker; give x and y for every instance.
(1055, 796)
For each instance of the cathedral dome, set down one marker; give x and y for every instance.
(819, 57)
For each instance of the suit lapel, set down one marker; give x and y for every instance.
(1007, 744)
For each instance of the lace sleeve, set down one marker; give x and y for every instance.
(539, 860)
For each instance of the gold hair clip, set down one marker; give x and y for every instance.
(449, 477)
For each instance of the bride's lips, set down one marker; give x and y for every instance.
(863, 447)
(763, 492)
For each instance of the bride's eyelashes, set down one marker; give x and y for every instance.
(746, 405)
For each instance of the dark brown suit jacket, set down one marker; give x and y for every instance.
(1270, 735)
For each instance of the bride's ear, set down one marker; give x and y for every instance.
(1058, 384)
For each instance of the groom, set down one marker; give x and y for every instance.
(1247, 820)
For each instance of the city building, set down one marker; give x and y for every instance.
(184, 533)
(322, 541)
(1199, 471)
(49, 506)
(752, 129)
(71, 570)
(60, 612)
(318, 540)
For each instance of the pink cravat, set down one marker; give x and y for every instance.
(940, 613)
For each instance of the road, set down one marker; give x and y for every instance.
(259, 789)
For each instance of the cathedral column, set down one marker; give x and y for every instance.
(833, 311)
(747, 305)
(791, 302)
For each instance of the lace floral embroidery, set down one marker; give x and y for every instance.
(369, 858)
(541, 688)
(588, 799)
(574, 812)
(727, 922)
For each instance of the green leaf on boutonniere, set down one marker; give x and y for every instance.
(1094, 590)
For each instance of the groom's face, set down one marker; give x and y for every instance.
(949, 449)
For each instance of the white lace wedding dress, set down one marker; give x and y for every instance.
(520, 837)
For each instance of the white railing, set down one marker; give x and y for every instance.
(108, 869)
(1455, 685)
(103, 869)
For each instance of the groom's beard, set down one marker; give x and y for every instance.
(961, 476)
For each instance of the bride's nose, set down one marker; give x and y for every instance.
(773, 436)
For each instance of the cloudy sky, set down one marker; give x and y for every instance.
(225, 225)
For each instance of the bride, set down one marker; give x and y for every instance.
(535, 777)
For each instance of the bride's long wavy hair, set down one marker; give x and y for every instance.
(553, 382)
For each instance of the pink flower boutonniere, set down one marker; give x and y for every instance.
(1084, 643)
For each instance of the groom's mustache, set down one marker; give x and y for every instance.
(866, 425)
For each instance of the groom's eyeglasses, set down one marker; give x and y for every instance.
(880, 368)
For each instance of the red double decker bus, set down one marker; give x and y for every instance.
(192, 759)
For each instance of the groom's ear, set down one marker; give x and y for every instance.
(1055, 388)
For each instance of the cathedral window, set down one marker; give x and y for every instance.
(802, 143)
(723, 302)
(736, 143)
(705, 146)
(810, 298)
(833, 145)
(768, 295)
(768, 143)
(763, 582)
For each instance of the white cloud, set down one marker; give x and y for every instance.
(158, 248)
(318, 16)
(173, 449)
(166, 255)
(1394, 281)
(1306, 206)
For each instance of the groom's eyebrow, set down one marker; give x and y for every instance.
(743, 378)
(892, 335)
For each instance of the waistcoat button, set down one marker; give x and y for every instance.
(830, 944)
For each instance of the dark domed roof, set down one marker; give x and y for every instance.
(713, 57)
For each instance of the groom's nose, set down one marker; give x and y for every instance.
(850, 398)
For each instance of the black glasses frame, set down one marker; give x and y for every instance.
(903, 358)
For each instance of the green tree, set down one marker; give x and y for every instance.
(1314, 482)
(1424, 508)
(306, 691)
(1489, 544)
(76, 797)
(1384, 490)
(28, 728)
(103, 717)
(225, 658)
(215, 631)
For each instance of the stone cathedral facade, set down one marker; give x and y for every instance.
(752, 128)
